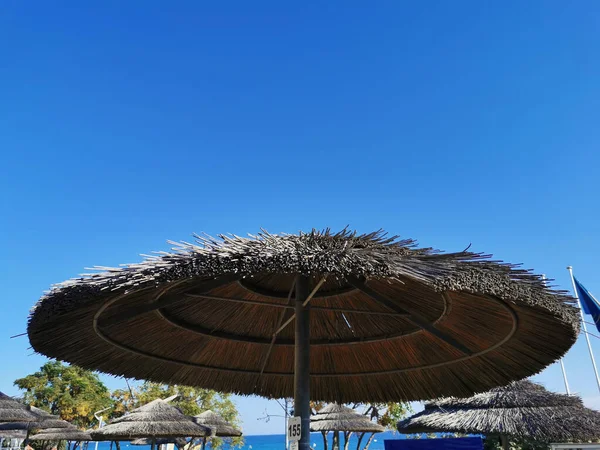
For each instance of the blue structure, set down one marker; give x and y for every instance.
(467, 443)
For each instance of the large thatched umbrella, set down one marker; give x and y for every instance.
(521, 410)
(217, 424)
(12, 410)
(336, 418)
(154, 420)
(375, 318)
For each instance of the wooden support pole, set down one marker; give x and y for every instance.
(302, 360)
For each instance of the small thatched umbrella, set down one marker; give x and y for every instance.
(374, 318)
(43, 420)
(12, 410)
(336, 418)
(522, 410)
(154, 420)
(217, 424)
(13, 434)
(71, 433)
(179, 442)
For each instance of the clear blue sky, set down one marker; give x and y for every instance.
(123, 124)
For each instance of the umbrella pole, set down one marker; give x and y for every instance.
(302, 361)
(152, 447)
(203, 442)
(505, 442)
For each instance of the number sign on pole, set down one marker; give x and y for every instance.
(294, 428)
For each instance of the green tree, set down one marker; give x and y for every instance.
(70, 392)
(388, 414)
(385, 414)
(190, 401)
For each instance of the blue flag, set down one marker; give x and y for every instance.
(588, 303)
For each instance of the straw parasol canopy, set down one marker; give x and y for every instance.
(13, 434)
(384, 320)
(71, 433)
(521, 410)
(13, 411)
(218, 425)
(179, 442)
(334, 417)
(156, 419)
(42, 421)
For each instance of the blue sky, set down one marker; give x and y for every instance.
(123, 124)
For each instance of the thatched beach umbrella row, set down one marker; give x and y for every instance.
(521, 410)
(376, 319)
(19, 420)
(156, 422)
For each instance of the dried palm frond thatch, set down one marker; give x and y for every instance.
(388, 321)
(334, 417)
(179, 442)
(523, 410)
(156, 419)
(70, 433)
(340, 418)
(218, 425)
(12, 410)
(13, 434)
(42, 421)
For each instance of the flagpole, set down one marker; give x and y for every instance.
(562, 364)
(587, 337)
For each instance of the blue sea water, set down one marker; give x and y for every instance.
(272, 442)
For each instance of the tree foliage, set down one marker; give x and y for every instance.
(70, 392)
(190, 401)
(388, 414)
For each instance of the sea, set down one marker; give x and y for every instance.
(272, 442)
